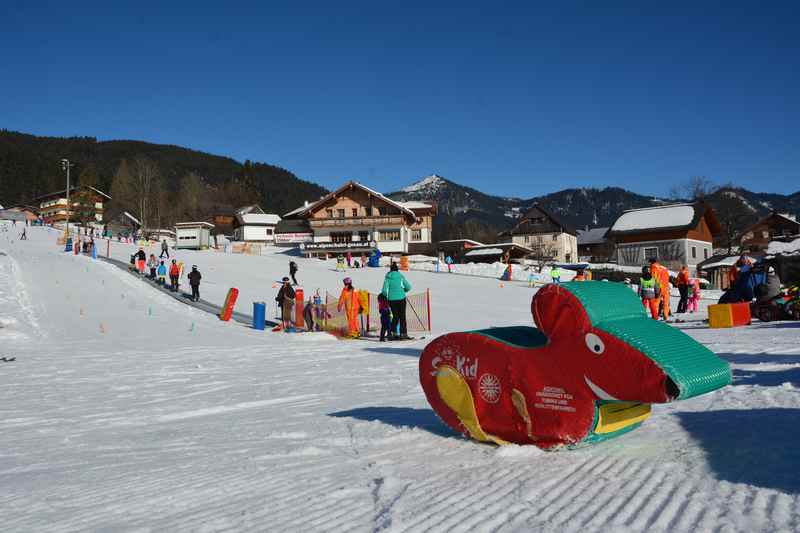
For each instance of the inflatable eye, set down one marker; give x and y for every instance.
(595, 343)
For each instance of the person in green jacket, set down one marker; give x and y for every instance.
(395, 287)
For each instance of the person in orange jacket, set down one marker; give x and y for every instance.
(174, 274)
(350, 302)
(682, 283)
(661, 274)
(580, 275)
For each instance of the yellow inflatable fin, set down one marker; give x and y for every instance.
(456, 394)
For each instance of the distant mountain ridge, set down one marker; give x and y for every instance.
(462, 208)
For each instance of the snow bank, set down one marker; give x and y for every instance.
(654, 218)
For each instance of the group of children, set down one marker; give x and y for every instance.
(159, 272)
(654, 290)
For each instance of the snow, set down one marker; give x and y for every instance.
(785, 248)
(414, 205)
(258, 218)
(429, 184)
(127, 410)
(484, 251)
(727, 261)
(655, 217)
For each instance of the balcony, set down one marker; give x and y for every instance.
(389, 220)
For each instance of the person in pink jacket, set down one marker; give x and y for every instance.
(694, 295)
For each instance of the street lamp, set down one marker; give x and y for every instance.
(65, 165)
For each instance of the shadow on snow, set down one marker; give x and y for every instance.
(400, 417)
(752, 446)
(396, 350)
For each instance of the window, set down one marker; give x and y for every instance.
(329, 212)
(340, 213)
(368, 210)
(694, 252)
(338, 237)
(355, 211)
(269, 231)
(527, 239)
(650, 253)
(363, 236)
(705, 253)
(555, 236)
(416, 234)
(765, 234)
(389, 235)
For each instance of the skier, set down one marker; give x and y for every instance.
(292, 271)
(162, 274)
(386, 317)
(694, 295)
(580, 275)
(340, 263)
(350, 302)
(141, 257)
(194, 281)
(682, 282)
(661, 274)
(174, 274)
(285, 299)
(152, 263)
(555, 273)
(649, 291)
(164, 249)
(24, 236)
(449, 261)
(395, 287)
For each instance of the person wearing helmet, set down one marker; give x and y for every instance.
(649, 291)
(194, 282)
(351, 304)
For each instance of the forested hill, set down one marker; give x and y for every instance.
(30, 166)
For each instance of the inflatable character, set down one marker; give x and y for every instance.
(590, 372)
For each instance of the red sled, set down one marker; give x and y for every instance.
(230, 301)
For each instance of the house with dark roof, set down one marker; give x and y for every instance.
(53, 206)
(358, 219)
(593, 245)
(544, 233)
(678, 234)
(755, 239)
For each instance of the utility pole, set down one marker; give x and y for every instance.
(65, 165)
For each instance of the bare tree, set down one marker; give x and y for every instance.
(733, 215)
(145, 174)
(544, 251)
(695, 189)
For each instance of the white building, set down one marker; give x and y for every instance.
(193, 235)
(675, 235)
(255, 227)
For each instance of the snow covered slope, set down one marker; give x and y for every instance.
(126, 410)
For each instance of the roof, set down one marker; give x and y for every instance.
(470, 241)
(71, 189)
(502, 246)
(592, 236)
(307, 208)
(786, 219)
(257, 219)
(718, 260)
(484, 251)
(254, 209)
(663, 218)
(193, 224)
(784, 248)
(415, 205)
(133, 218)
(525, 219)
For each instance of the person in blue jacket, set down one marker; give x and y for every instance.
(395, 287)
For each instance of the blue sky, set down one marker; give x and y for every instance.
(513, 98)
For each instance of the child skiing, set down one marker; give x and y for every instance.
(555, 274)
(340, 263)
(141, 257)
(194, 281)
(152, 264)
(162, 274)
(694, 295)
(386, 317)
(174, 274)
(351, 304)
(649, 291)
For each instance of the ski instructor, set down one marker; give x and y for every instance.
(395, 287)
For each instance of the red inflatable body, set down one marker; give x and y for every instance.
(585, 375)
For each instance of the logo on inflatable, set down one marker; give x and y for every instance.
(466, 367)
(489, 387)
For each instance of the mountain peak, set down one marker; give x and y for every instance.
(428, 184)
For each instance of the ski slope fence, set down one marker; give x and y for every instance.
(418, 314)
